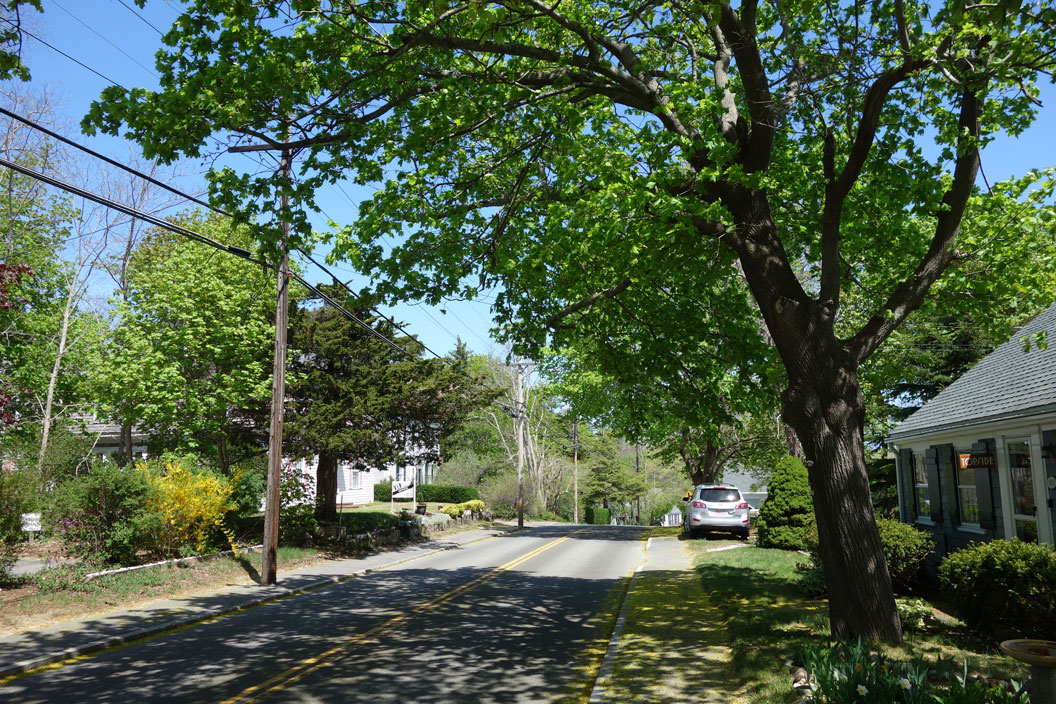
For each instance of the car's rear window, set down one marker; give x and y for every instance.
(719, 495)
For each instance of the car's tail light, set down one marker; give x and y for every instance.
(698, 504)
(743, 504)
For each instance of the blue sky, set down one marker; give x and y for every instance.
(116, 39)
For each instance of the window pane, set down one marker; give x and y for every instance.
(1022, 478)
(969, 505)
(965, 477)
(719, 495)
(923, 501)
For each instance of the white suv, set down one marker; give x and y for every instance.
(717, 507)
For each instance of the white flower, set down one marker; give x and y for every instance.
(839, 676)
(904, 683)
(862, 690)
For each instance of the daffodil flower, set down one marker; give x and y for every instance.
(862, 690)
(904, 683)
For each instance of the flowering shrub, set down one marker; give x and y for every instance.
(297, 521)
(850, 673)
(131, 514)
(192, 504)
(456, 510)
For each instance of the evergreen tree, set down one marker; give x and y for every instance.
(788, 510)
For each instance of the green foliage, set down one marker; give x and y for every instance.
(297, 521)
(102, 516)
(190, 359)
(788, 510)
(383, 492)
(357, 398)
(1004, 587)
(916, 615)
(125, 515)
(851, 673)
(906, 548)
(612, 480)
(447, 494)
(367, 521)
(598, 516)
(18, 495)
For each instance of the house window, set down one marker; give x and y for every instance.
(922, 497)
(967, 496)
(356, 481)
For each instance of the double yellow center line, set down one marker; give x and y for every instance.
(298, 671)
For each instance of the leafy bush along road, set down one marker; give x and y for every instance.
(770, 618)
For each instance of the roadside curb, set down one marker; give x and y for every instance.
(597, 695)
(276, 593)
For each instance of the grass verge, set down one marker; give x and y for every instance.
(767, 615)
(61, 594)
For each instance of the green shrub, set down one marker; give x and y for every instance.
(788, 510)
(598, 516)
(103, 515)
(1004, 587)
(915, 614)
(441, 493)
(17, 496)
(363, 522)
(383, 492)
(905, 549)
(297, 522)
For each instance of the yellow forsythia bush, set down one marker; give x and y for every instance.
(192, 504)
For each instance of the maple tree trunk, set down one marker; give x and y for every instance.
(827, 411)
(326, 488)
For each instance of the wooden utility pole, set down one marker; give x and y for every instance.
(278, 393)
(575, 469)
(518, 391)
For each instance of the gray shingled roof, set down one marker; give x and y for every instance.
(1008, 383)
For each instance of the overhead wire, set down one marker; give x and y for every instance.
(193, 235)
(169, 188)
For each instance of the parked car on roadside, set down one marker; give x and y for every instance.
(717, 507)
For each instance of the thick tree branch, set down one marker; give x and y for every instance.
(757, 151)
(837, 190)
(612, 292)
(909, 294)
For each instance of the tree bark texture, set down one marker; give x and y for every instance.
(823, 404)
(326, 488)
(828, 415)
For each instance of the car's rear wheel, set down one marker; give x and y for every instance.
(744, 534)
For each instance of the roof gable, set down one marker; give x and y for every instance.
(1007, 383)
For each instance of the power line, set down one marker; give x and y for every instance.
(141, 17)
(112, 162)
(105, 39)
(196, 236)
(22, 30)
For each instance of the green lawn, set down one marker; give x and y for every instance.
(767, 615)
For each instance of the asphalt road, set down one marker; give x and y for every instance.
(501, 620)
